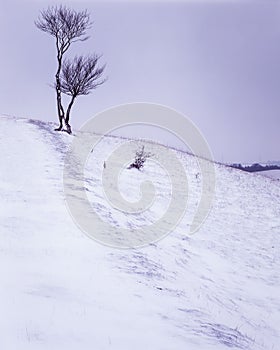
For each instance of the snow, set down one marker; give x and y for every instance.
(273, 174)
(216, 289)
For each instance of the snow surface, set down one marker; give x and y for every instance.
(216, 289)
(273, 174)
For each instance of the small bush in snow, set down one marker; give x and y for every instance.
(140, 158)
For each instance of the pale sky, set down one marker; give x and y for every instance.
(218, 62)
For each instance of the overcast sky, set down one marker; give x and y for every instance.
(218, 62)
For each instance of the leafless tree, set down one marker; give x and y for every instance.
(79, 77)
(66, 26)
(140, 158)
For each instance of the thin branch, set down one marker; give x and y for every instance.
(81, 75)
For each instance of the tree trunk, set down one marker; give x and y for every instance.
(60, 110)
(68, 126)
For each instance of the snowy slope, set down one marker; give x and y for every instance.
(216, 289)
(273, 174)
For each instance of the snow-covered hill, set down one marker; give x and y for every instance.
(216, 289)
(273, 174)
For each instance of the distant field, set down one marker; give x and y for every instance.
(273, 174)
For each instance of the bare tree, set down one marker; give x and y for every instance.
(140, 158)
(67, 26)
(79, 77)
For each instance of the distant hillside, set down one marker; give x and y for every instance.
(255, 167)
(273, 162)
